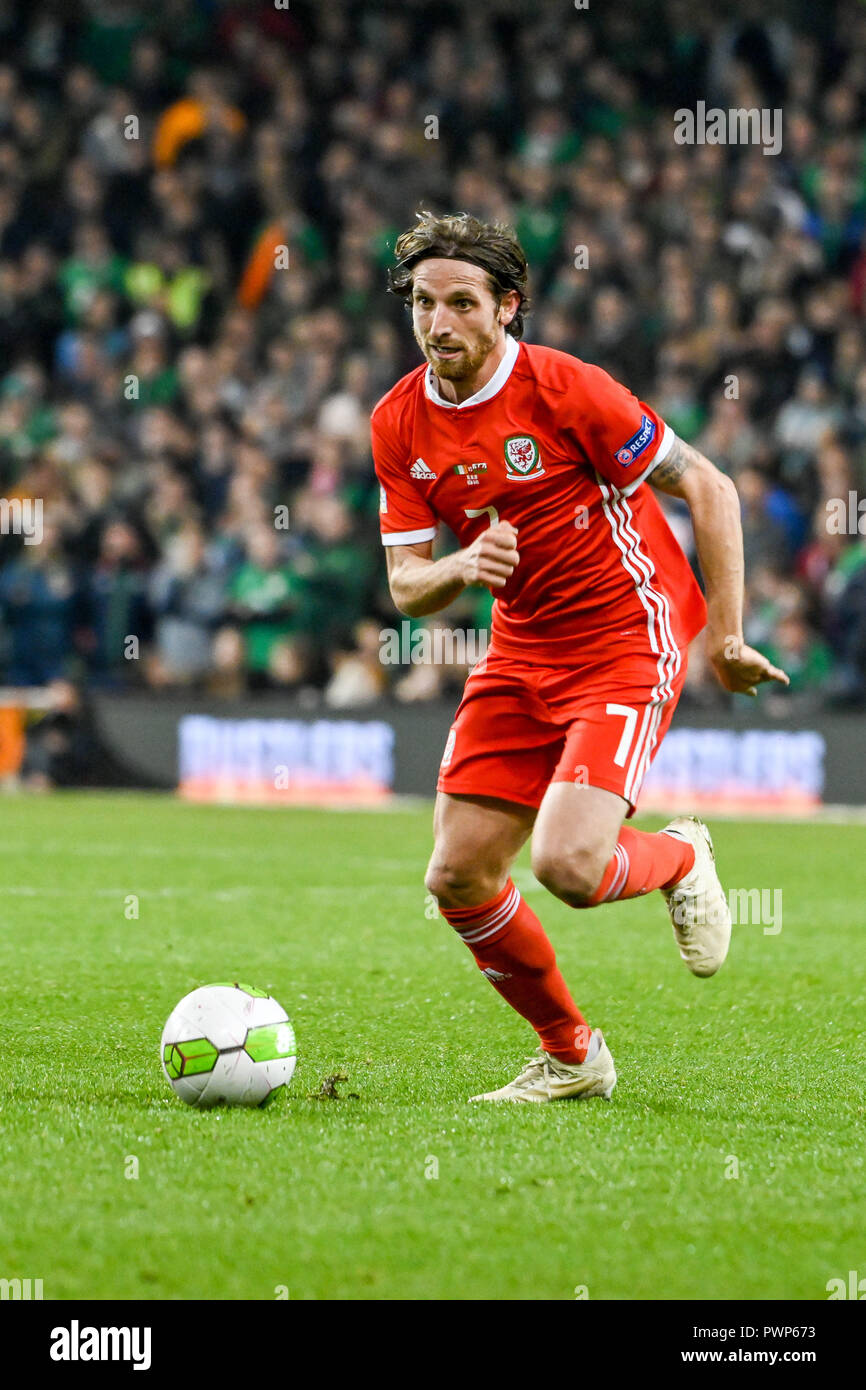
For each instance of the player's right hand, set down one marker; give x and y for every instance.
(492, 557)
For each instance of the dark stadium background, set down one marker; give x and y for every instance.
(154, 260)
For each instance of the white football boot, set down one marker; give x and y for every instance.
(545, 1078)
(698, 908)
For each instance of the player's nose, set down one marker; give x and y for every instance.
(440, 326)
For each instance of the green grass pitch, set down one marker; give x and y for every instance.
(400, 1189)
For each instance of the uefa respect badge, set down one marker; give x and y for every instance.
(638, 442)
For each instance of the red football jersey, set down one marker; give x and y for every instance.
(559, 449)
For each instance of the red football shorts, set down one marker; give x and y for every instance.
(521, 726)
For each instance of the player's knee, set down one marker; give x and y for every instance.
(457, 885)
(574, 876)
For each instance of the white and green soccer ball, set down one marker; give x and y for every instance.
(227, 1044)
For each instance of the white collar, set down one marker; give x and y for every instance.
(494, 385)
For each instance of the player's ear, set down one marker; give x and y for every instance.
(506, 312)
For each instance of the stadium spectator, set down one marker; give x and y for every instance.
(41, 607)
(187, 595)
(266, 598)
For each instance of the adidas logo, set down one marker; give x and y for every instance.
(493, 975)
(419, 469)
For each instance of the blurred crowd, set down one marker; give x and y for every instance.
(198, 203)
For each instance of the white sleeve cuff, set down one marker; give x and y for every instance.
(408, 537)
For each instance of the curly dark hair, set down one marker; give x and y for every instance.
(491, 245)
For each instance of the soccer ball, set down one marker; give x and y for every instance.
(227, 1044)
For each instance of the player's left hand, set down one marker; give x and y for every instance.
(742, 669)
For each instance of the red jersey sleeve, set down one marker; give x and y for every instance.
(620, 436)
(404, 516)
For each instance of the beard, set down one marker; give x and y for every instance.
(467, 364)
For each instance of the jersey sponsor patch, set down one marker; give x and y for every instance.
(420, 470)
(637, 444)
(522, 457)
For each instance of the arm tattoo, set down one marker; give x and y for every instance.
(681, 458)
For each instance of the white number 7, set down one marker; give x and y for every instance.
(630, 717)
(482, 511)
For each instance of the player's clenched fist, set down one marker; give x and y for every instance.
(492, 556)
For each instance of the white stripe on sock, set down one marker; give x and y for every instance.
(483, 927)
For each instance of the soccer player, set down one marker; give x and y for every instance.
(545, 469)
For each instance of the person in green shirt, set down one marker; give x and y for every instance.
(801, 652)
(266, 598)
(93, 266)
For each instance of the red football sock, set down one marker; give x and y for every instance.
(642, 862)
(514, 952)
